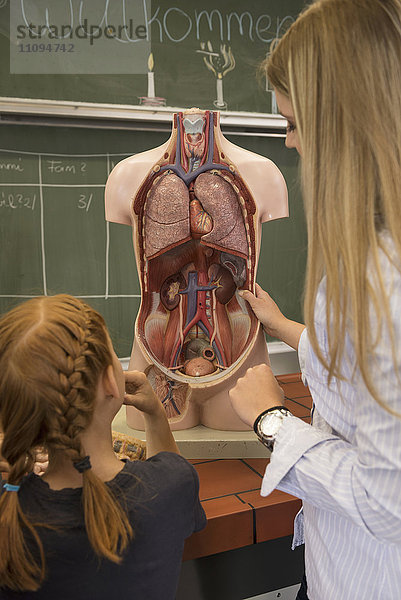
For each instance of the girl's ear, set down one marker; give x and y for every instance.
(109, 382)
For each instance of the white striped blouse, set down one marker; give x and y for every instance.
(347, 468)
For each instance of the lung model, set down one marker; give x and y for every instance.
(195, 206)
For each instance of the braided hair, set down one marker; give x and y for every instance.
(53, 350)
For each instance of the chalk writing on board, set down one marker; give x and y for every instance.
(15, 201)
(257, 28)
(11, 166)
(40, 202)
(58, 166)
(159, 22)
(85, 201)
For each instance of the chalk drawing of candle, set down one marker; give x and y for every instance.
(151, 99)
(271, 92)
(151, 76)
(220, 63)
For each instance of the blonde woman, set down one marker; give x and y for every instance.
(337, 76)
(92, 526)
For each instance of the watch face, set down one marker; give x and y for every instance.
(270, 424)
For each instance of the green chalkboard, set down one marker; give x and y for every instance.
(54, 237)
(197, 53)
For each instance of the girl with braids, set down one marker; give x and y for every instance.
(92, 526)
(337, 76)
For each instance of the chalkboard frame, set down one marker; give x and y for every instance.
(128, 115)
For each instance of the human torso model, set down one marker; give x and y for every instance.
(196, 205)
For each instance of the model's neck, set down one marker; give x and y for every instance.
(195, 137)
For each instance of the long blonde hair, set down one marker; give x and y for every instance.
(340, 66)
(52, 352)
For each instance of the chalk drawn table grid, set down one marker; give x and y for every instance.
(54, 235)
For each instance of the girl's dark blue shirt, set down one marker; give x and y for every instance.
(161, 497)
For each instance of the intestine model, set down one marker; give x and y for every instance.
(196, 205)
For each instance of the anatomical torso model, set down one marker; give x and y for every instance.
(196, 205)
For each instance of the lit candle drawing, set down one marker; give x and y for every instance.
(220, 63)
(219, 90)
(151, 77)
(151, 99)
(270, 90)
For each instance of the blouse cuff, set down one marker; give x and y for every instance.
(302, 351)
(294, 438)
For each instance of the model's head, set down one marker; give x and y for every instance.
(52, 353)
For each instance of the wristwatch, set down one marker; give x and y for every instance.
(268, 423)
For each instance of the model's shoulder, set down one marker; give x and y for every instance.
(240, 155)
(147, 157)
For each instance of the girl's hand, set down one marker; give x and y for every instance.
(257, 391)
(139, 393)
(40, 466)
(4, 466)
(41, 462)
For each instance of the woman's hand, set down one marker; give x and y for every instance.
(257, 391)
(265, 309)
(139, 393)
(271, 317)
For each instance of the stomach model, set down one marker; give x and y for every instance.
(196, 249)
